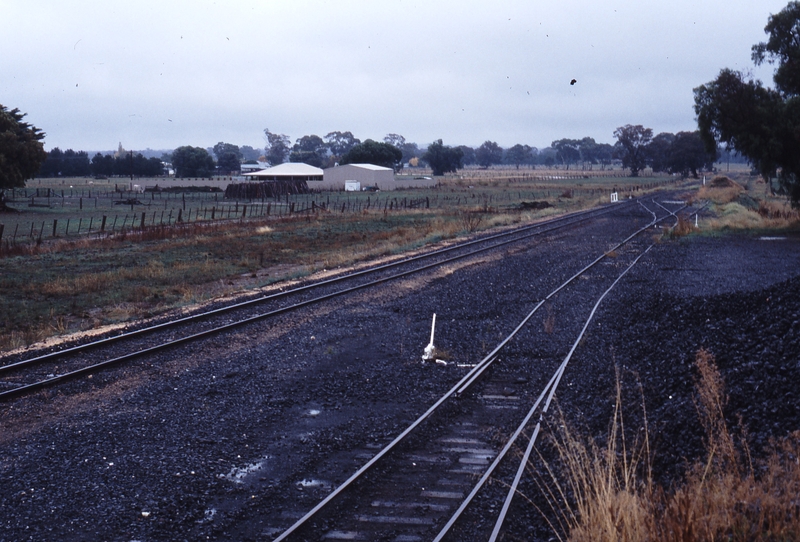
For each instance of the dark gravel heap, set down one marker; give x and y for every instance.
(160, 449)
(738, 298)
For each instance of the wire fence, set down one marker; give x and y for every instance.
(87, 211)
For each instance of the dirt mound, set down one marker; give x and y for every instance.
(721, 181)
(534, 205)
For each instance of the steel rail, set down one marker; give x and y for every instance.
(469, 377)
(541, 228)
(485, 363)
(512, 490)
(14, 392)
(551, 387)
(548, 391)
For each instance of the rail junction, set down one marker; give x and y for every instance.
(420, 473)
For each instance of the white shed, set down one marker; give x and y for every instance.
(368, 175)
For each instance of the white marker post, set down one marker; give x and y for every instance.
(428, 353)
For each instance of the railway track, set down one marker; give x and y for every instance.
(22, 376)
(422, 484)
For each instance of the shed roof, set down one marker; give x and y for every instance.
(372, 167)
(288, 169)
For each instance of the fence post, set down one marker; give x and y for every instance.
(141, 224)
(103, 225)
(55, 224)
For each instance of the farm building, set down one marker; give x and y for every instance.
(252, 168)
(364, 176)
(290, 171)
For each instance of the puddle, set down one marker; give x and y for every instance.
(237, 475)
(312, 483)
(772, 238)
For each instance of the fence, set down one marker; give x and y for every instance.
(95, 216)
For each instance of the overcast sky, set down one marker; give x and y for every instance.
(161, 74)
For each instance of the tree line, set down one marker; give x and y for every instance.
(70, 163)
(636, 147)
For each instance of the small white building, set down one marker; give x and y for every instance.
(252, 168)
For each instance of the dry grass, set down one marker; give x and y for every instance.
(471, 219)
(608, 494)
(777, 210)
(720, 195)
(768, 216)
(683, 228)
(550, 320)
(737, 209)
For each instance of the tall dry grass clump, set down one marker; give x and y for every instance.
(608, 494)
(720, 190)
(780, 211)
(736, 211)
(683, 228)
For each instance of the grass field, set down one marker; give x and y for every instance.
(76, 279)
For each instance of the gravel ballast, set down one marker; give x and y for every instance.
(193, 443)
